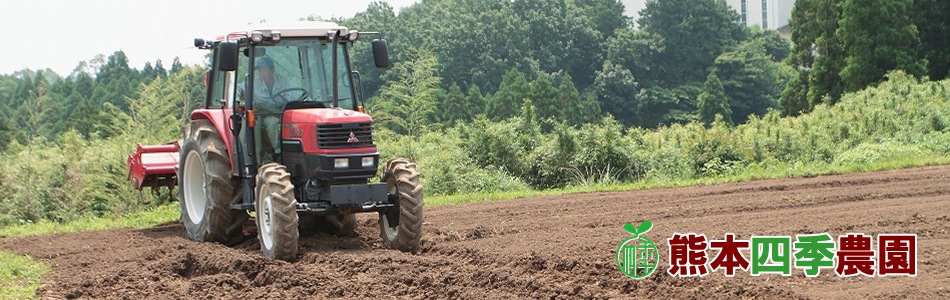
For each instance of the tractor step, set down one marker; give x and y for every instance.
(326, 208)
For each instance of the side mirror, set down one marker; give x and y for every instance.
(381, 53)
(227, 56)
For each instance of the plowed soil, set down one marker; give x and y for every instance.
(558, 247)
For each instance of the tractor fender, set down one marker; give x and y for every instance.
(219, 117)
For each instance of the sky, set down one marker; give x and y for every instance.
(58, 34)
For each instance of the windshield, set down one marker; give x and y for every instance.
(298, 70)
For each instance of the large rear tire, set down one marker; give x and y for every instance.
(402, 179)
(207, 188)
(277, 213)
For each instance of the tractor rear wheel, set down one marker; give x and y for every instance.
(276, 213)
(402, 180)
(207, 188)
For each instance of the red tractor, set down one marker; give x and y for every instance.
(282, 133)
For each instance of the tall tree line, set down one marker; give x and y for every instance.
(512, 51)
(653, 75)
(574, 60)
(843, 46)
(43, 104)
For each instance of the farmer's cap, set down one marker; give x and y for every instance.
(264, 62)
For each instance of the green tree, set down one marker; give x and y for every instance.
(511, 93)
(476, 100)
(6, 132)
(687, 36)
(186, 91)
(160, 71)
(776, 46)
(404, 105)
(380, 17)
(176, 66)
(468, 54)
(84, 85)
(148, 72)
(824, 81)
(545, 36)
(57, 94)
(25, 88)
(153, 117)
(33, 113)
(607, 15)
(804, 33)
(85, 110)
(878, 36)
(115, 67)
(116, 81)
(751, 79)
(561, 37)
(794, 99)
(714, 102)
(617, 92)
(621, 50)
(544, 96)
(930, 17)
(454, 106)
(662, 106)
(575, 110)
(7, 126)
(670, 57)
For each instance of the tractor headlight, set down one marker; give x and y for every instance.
(352, 35)
(341, 163)
(367, 161)
(257, 36)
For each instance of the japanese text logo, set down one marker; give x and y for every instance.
(637, 256)
(850, 254)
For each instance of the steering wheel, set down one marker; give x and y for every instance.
(303, 94)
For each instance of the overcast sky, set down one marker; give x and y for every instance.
(58, 34)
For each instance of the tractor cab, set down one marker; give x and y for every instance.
(279, 71)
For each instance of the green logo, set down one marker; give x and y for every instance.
(637, 256)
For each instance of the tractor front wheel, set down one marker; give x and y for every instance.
(276, 213)
(402, 180)
(207, 188)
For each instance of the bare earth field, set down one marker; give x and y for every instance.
(558, 247)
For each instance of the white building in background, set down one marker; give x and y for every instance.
(770, 14)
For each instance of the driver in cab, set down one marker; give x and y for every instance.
(267, 87)
(269, 100)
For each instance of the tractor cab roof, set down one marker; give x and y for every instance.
(287, 29)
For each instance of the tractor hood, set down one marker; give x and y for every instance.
(325, 115)
(328, 130)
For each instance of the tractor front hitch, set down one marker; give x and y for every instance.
(392, 213)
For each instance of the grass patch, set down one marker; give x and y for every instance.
(20, 276)
(762, 171)
(158, 215)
